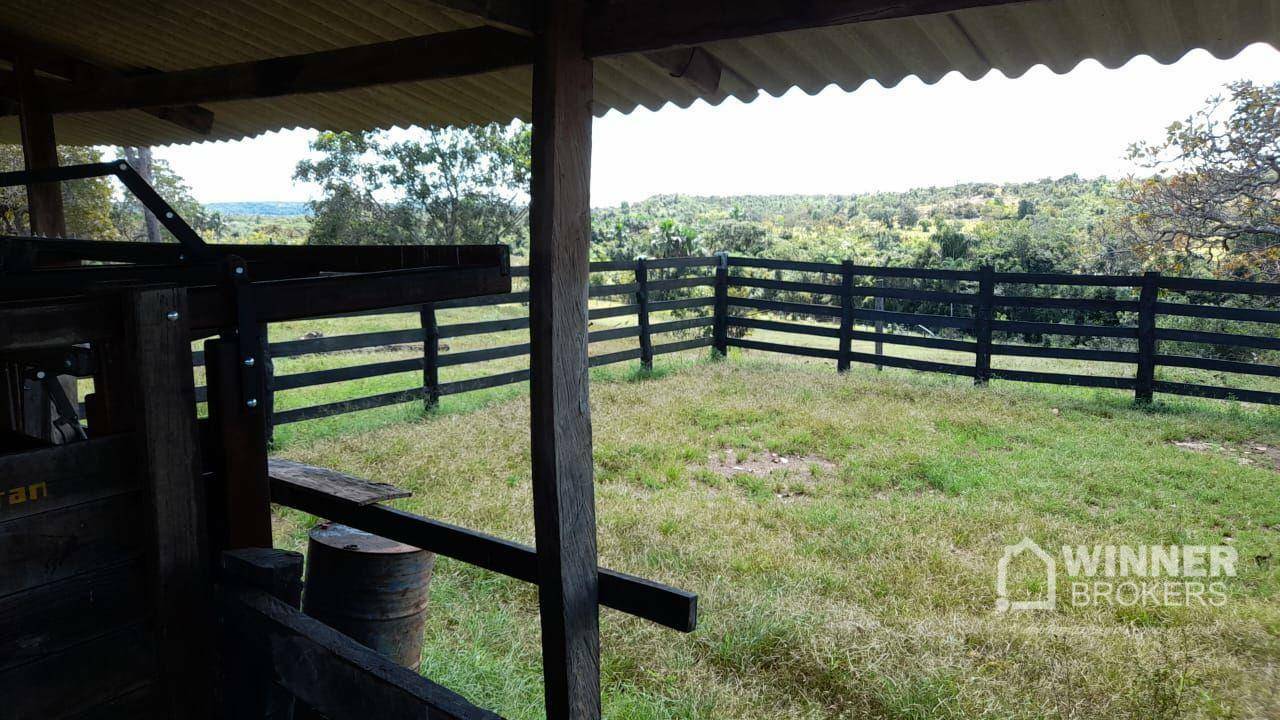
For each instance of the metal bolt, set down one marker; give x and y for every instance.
(67, 362)
(124, 166)
(251, 402)
(40, 375)
(169, 215)
(248, 362)
(181, 257)
(172, 315)
(239, 270)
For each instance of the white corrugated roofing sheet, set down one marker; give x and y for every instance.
(181, 34)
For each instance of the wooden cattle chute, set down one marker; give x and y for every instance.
(981, 313)
(71, 70)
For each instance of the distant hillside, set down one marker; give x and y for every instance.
(265, 208)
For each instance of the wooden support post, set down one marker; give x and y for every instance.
(40, 150)
(160, 350)
(563, 489)
(1144, 389)
(879, 306)
(982, 324)
(249, 690)
(720, 321)
(430, 357)
(846, 316)
(241, 507)
(642, 314)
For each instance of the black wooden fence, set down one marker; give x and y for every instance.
(958, 310)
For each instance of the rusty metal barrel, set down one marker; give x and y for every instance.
(370, 588)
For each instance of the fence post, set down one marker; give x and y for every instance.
(879, 305)
(982, 324)
(721, 318)
(430, 357)
(268, 386)
(846, 316)
(1144, 387)
(642, 313)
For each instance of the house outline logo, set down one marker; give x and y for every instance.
(1003, 603)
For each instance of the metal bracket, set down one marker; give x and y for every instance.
(248, 342)
(66, 419)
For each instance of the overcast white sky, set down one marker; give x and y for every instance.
(994, 129)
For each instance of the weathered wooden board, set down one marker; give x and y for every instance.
(340, 485)
(50, 618)
(80, 678)
(52, 546)
(334, 674)
(38, 481)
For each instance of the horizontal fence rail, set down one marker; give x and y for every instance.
(1144, 322)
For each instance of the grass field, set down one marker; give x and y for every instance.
(856, 579)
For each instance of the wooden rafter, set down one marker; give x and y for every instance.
(628, 26)
(428, 57)
(695, 65)
(58, 63)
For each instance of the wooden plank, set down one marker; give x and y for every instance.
(314, 412)
(625, 27)
(1098, 381)
(616, 357)
(1218, 393)
(1089, 304)
(684, 304)
(160, 347)
(1063, 279)
(331, 482)
(296, 299)
(50, 618)
(1215, 365)
(1217, 338)
(1077, 330)
(1219, 312)
(1061, 353)
(335, 675)
(484, 327)
(47, 479)
(681, 325)
(81, 678)
(427, 57)
(55, 545)
(335, 343)
(681, 283)
(482, 383)
(354, 372)
(653, 601)
(846, 317)
(785, 307)
(474, 356)
(1220, 286)
(138, 703)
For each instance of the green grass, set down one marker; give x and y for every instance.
(859, 583)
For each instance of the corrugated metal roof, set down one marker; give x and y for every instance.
(181, 34)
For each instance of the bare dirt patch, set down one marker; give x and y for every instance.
(1248, 454)
(727, 463)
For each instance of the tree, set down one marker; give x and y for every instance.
(1213, 199)
(87, 203)
(129, 218)
(437, 186)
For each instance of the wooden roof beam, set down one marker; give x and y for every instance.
(626, 26)
(428, 57)
(694, 65)
(53, 61)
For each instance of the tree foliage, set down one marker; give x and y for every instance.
(438, 186)
(1212, 202)
(87, 203)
